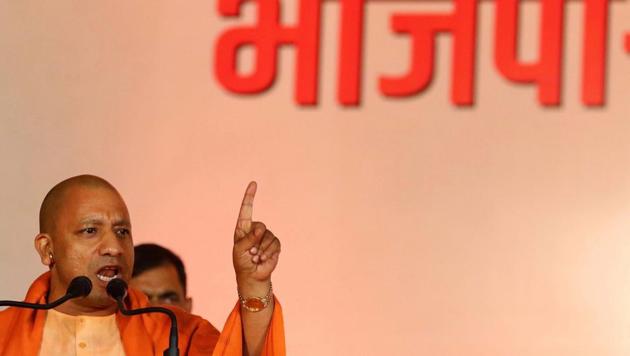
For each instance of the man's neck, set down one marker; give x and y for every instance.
(80, 306)
(72, 308)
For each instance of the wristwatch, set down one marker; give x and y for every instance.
(256, 304)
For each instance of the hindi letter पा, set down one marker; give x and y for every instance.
(546, 72)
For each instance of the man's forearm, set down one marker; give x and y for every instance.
(255, 323)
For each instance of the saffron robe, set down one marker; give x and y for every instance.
(21, 329)
(80, 335)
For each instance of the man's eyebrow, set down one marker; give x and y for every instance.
(122, 222)
(91, 221)
(98, 221)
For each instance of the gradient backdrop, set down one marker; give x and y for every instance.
(408, 226)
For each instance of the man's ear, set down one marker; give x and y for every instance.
(44, 247)
(188, 304)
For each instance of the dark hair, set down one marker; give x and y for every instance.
(149, 256)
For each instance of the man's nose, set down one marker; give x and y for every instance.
(111, 245)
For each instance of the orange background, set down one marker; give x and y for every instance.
(408, 226)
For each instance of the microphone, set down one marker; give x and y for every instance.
(79, 287)
(117, 289)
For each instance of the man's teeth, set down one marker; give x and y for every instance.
(107, 279)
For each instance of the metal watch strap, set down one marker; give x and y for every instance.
(256, 304)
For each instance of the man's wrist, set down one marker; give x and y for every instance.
(249, 287)
(252, 298)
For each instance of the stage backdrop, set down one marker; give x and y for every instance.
(487, 213)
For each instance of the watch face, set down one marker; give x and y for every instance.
(254, 304)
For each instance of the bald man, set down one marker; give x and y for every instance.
(85, 229)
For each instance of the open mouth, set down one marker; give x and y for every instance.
(108, 273)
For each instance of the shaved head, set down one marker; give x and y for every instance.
(55, 197)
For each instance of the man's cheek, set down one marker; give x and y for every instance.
(78, 263)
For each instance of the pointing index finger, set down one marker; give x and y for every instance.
(244, 222)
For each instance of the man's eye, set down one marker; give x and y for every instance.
(123, 232)
(89, 230)
(169, 300)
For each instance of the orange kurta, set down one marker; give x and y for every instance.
(21, 330)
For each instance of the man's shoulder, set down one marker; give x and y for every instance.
(191, 323)
(196, 335)
(187, 323)
(7, 315)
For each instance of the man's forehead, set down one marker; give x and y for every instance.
(83, 192)
(100, 220)
(91, 195)
(94, 203)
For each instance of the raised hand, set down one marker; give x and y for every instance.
(256, 249)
